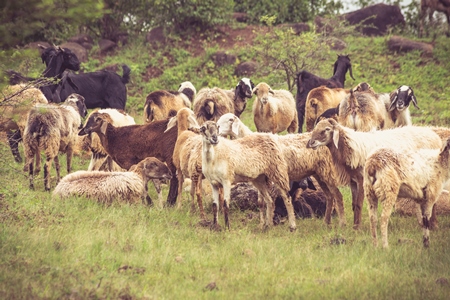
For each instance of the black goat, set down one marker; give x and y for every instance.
(306, 81)
(101, 89)
(329, 113)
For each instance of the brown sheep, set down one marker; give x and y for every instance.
(211, 103)
(53, 128)
(128, 145)
(319, 100)
(274, 110)
(160, 105)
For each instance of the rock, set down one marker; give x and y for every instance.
(221, 58)
(106, 45)
(401, 44)
(79, 50)
(247, 68)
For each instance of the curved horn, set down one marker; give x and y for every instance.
(351, 72)
(393, 97)
(414, 101)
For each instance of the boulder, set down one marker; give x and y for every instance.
(79, 50)
(246, 69)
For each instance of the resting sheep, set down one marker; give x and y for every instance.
(306, 81)
(17, 102)
(349, 150)
(418, 174)
(274, 110)
(301, 161)
(128, 145)
(255, 158)
(319, 100)
(53, 129)
(161, 104)
(107, 187)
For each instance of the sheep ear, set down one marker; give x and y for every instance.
(255, 90)
(172, 122)
(393, 96)
(104, 127)
(235, 125)
(271, 91)
(335, 137)
(446, 146)
(414, 101)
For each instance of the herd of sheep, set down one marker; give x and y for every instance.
(355, 137)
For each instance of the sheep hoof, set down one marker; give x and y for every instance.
(426, 242)
(292, 228)
(205, 223)
(216, 227)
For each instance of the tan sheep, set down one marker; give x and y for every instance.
(53, 129)
(107, 187)
(419, 174)
(160, 105)
(255, 158)
(319, 100)
(274, 110)
(17, 102)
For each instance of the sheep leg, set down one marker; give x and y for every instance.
(433, 220)
(224, 193)
(47, 167)
(14, 138)
(289, 208)
(332, 192)
(173, 187)
(30, 164)
(58, 169)
(373, 214)
(69, 156)
(356, 185)
(301, 113)
(262, 208)
(388, 205)
(268, 203)
(215, 194)
(198, 191)
(37, 168)
(157, 185)
(180, 189)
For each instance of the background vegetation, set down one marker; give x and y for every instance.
(78, 249)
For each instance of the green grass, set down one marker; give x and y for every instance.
(79, 249)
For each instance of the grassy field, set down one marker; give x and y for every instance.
(79, 249)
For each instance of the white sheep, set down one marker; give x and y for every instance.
(188, 91)
(301, 161)
(418, 174)
(53, 129)
(107, 187)
(274, 110)
(350, 149)
(255, 158)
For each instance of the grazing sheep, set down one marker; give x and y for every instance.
(160, 105)
(254, 158)
(319, 100)
(128, 145)
(301, 161)
(349, 150)
(274, 110)
(17, 102)
(53, 128)
(367, 110)
(107, 187)
(306, 81)
(418, 174)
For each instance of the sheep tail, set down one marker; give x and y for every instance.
(126, 74)
(38, 129)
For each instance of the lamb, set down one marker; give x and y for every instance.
(367, 110)
(128, 145)
(349, 150)
(161, 104)
(53, 128)
(306, 81)
(107, 187)
(187, 156)
(301, 161)
(274, 110)
(255, 158)
(319, 100)
(417, 174)
(17, 102)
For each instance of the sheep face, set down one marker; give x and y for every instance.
(59, 59)
(401, 98)
(228, 125)
(262, 92)
(80, 103)
(96, 123)
(324, 133)
(153, 168)
(209, 132)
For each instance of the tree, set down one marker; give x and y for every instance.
(27, 20)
